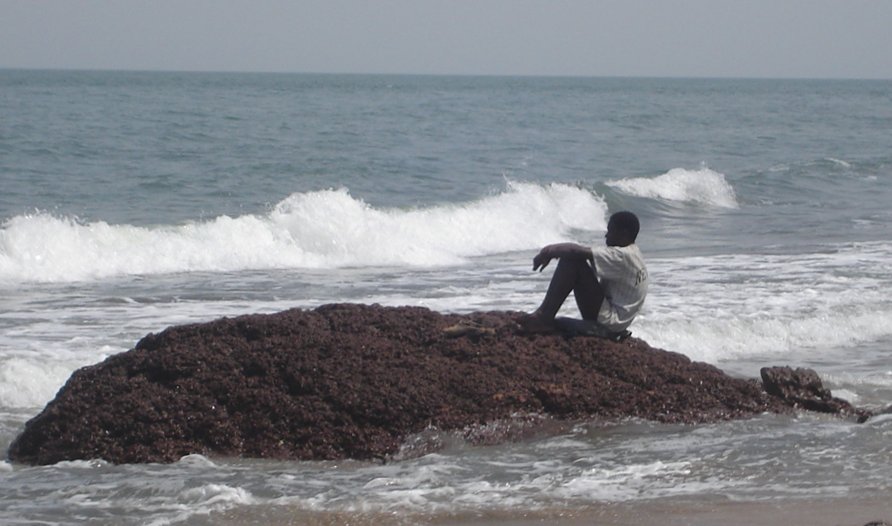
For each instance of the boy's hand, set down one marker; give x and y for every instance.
(542, 259)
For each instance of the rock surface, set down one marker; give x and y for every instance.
(354, 381)
(802, 388)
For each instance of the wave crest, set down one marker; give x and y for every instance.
(323, 229)
(703, 187)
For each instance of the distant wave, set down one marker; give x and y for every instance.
(702, 187)
(839, 162)
(322, 229)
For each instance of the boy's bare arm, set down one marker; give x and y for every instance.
(561, 250)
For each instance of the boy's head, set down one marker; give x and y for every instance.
(622, 229)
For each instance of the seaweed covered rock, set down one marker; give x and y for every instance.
(803, 388)
(354, 381)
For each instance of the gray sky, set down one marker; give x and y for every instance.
(742, 38)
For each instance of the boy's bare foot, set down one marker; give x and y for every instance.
(535, 324)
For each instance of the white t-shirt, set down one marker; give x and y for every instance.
(623, 277)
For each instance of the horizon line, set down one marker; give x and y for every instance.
(410, 74)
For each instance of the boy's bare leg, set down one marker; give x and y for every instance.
(571, 275)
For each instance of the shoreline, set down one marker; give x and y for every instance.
(709, 511)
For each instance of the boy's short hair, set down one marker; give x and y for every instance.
(626, 221)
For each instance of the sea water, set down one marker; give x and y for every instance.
(130, 202)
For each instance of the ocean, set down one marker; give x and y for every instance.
(133, 201)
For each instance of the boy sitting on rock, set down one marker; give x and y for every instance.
(609, 283)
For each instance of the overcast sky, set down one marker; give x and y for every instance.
(742, 38)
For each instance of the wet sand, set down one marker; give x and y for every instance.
(781, 513)
(666, 512)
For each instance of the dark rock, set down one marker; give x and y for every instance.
(355, 381)
(802, 388)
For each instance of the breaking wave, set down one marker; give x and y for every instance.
(702, 187)
(322, 229)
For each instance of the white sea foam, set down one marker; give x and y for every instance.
(721, 339)
(881, 421)
(92, 464)
(724, 308)
(27, 383)
(211, 494)
(703, 187)
(202, 500)
(626, 482)
(321, 229)
(195, 460)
